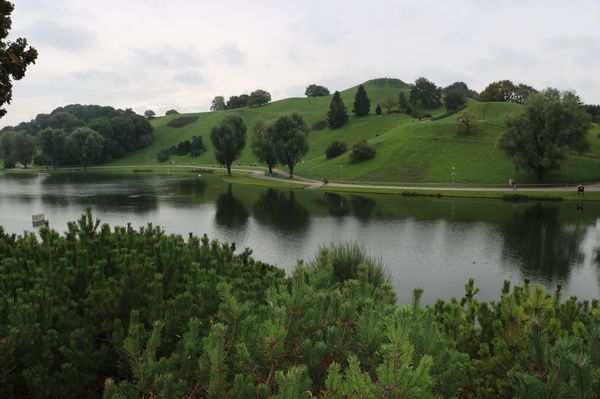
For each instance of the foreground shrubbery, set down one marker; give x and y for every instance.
(137, 313)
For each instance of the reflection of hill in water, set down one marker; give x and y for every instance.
(542, 245)
(281, 210)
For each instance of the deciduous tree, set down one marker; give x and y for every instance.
(259, 97)
(85, 145)
(149, 114)
(263, 145)
(290, 137)
(466, 122)
(388, 103)
(53, 144)
(454, 100)
(15, 56)
(314, 90)
(218, 104)
(229, 139)
(551, 124)
(425, 93)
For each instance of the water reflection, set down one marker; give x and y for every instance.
(543, 246)
(337, 204)
(230, 211)
(281, 210)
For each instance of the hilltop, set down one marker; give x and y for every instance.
(408, 150)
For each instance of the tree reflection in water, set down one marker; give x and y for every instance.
(230, 211)
(545, 248)
(282, 210)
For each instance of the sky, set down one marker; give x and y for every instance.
(151, 54)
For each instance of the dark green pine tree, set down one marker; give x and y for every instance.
(338, 114)
(378, 110)
(362, 104)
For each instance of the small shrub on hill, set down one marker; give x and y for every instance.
(183, 121)
(362, 151)
(319, 126)
(337, 147)
(198, 147)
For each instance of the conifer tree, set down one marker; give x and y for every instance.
(403, 103)
(362, 104)
(338, 114)
(378, 110)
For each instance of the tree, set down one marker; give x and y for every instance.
(228, 139)
(149, 114)
(378, 110)
(466, 122)
(23, 148)
(335, 148)
(218, 104)
(461, 86)
(454, 99)
(64, 120)
(198, 147)
(85, 145)
(426, 94)
(263, 145)
(314, 90)
(259, 97)
(53, 144)
(362, 151)
(507, 91)
(389, 102)
(362, 104)
(172, 112)
(338, 114)
(403, 105)
(15, 56)
(290, 138)
(551, 124)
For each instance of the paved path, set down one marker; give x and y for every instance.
(316, 184)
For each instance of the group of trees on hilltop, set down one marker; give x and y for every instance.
(75, 134)
(507, 91)
(281, 141)
(256, 98)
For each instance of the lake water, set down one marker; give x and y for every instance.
(435, 244)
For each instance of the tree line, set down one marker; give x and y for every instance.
(75, 134)
(256, 98)
(117, 312)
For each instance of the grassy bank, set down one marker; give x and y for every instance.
(251, 181)
(504, 195)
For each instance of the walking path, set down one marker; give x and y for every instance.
(316, 184)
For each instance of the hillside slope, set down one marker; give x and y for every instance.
(408, 150)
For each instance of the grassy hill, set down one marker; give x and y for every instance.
(408, 150)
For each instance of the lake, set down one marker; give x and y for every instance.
(432, 243)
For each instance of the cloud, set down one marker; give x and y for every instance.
(230, 54)
(61, 36)
(322, 30)
(585, 50)
(189, 77)
(167, 56)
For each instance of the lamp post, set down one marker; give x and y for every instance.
(453, 174)
(341, 171)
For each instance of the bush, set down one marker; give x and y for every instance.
(183, 121)
(9, 164)
(172, 112)
(198, 147)
(362, 151)
(349, 260)
(184, 147)
(41, 160)
(337, 147)
(415, 113)
(163, 155)
(319, 126)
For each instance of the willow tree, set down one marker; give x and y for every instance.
(551, 124)
(229, 139)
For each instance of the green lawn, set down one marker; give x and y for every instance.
(408, 150)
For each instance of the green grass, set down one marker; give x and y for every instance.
(250, 181)
(505, 195)
(408, 150)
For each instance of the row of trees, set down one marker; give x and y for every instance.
(256, 98)
(83, 146)
(122, 131)
(194, 148)
(125, 313)
(281, 141)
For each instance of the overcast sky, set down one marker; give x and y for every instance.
(155, 54)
